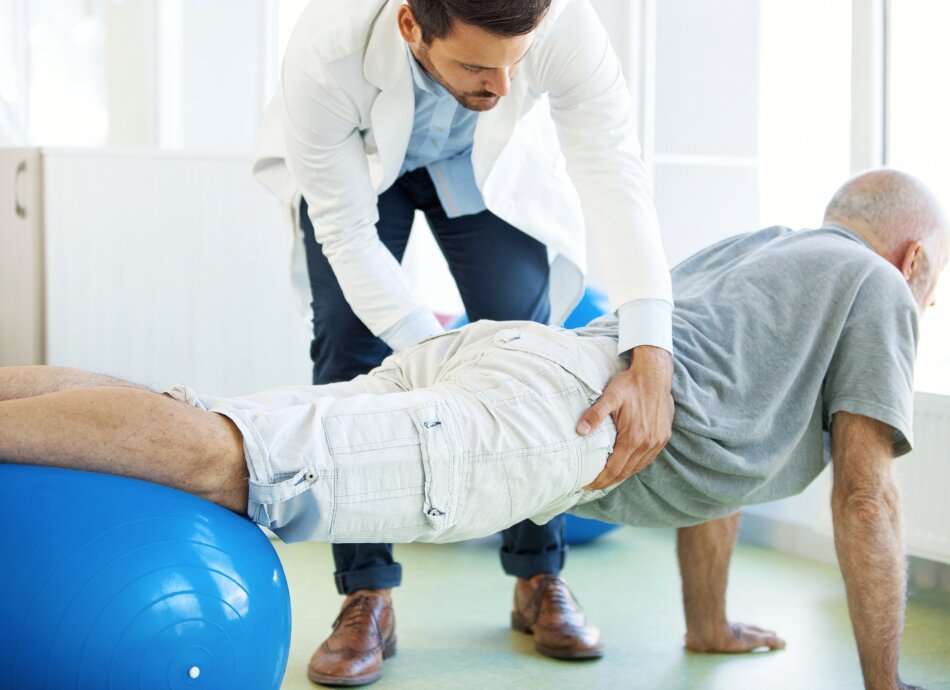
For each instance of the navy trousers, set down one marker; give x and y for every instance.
(501, 274)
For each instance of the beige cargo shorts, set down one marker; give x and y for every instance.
(460, 436)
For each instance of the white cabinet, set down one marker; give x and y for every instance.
(21, 264)
(160, 268)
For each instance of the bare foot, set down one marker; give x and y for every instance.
(733, 639)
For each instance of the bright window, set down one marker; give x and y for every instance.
(918, 136)
(9, 75)
(173, 74)
(805, 108)
(67, 88)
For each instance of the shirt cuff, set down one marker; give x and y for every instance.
(645, 322)
(418, 324)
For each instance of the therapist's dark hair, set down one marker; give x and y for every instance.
(500, 17)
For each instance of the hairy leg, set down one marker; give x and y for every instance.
(704, 552)
(131, 432)
(29, 381)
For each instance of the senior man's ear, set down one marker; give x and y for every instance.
(913, 262)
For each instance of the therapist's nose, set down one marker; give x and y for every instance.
(499, 82)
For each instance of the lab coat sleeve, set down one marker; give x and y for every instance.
(594, 117)
(325, 156)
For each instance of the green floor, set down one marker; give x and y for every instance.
(452, 614)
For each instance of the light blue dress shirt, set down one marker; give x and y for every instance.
(443, 132)
(441, 142)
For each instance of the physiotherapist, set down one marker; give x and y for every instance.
(509, 125)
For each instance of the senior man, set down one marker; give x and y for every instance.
(780, 336)
(508, 124)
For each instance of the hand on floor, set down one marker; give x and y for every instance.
(735, 638)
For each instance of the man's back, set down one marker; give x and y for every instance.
(773, 332)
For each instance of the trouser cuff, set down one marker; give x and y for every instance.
(528, 564)
(380, 577)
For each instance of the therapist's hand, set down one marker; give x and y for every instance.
(640, 403)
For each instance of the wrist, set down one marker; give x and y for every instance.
(650, 358)
(707, 637)
(883, 680)
(709, 631)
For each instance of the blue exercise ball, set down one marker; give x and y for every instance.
(108, 582)
(579, 531)
(593, 303)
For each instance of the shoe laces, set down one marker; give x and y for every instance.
(560, 594)
(358, 613)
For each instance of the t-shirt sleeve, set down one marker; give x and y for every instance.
(872, 369)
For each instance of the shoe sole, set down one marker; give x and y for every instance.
(389, 650)
(519, 624)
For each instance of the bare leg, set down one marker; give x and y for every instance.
(29, 381)
(704, 552)
(130, 432)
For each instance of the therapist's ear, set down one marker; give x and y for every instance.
(913, 261)
(408, 26)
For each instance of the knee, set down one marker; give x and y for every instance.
(222, 473)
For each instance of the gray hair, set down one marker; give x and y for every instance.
(897, 207)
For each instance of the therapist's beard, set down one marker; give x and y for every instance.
(475, 100)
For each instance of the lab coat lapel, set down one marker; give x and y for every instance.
(386, 67)
(494, 130)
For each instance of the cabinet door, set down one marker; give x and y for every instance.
(22, 332)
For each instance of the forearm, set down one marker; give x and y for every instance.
(865, 510)
(326, 157)
(704, 552)
(870, 553)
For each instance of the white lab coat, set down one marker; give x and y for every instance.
(556, 156)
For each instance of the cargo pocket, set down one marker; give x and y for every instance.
(393, 472)
(276, 505)
(442, 465)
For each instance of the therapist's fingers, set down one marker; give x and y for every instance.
(626, 460)
(613, 471)
(641, 435)
(595, 415)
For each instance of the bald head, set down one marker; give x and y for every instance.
(895, 209)
(902, 220)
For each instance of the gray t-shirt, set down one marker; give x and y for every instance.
(773, 333)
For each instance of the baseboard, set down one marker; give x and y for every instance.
(787, 537)
(803, 541)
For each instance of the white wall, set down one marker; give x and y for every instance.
(706, 139)
(130, 69)
(11, 133)
(217, 61)
(166, 268)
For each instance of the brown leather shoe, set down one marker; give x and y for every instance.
(546, 608)
(363, 635)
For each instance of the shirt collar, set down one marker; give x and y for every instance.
(847, 231)
(422, 79)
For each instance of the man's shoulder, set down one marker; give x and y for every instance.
(330, 30)
(567, 27)
(851, 254)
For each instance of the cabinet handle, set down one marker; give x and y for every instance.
(20, 170)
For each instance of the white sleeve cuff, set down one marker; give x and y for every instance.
(418, 324)
(645, 322)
